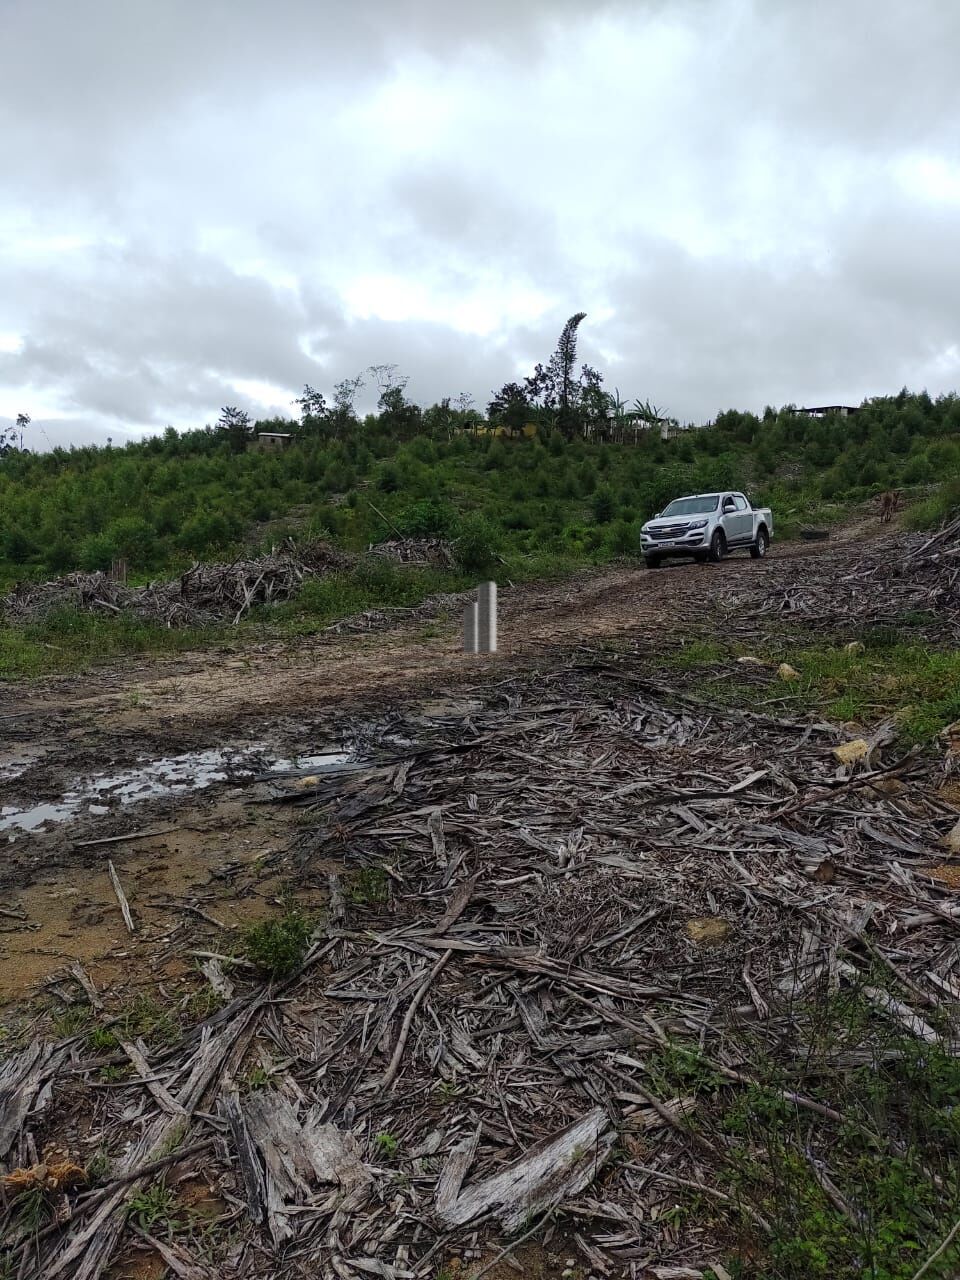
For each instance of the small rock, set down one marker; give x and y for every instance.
(951, 840)
(708, 930)
(888, 787)
(855, 646)
(786, 672)
(851, 752)
(751, 662)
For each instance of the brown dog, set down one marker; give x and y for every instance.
(889, 503)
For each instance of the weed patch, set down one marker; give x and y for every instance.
(867, 1185)
(277, 947)
(369, 886)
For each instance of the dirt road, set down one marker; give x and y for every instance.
(190, 695)
(518, 857)
(164, 742)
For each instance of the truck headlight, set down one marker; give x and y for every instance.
(697, 524)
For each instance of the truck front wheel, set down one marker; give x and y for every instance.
(718, 546)
(759, 548)
(652, 562)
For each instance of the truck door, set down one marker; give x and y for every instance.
(739, 522)
(728, 518)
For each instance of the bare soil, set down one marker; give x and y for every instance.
(226, 856)
(639, 791)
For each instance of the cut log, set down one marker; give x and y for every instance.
(547, 1174)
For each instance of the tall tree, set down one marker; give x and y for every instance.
(553, 387)
(510, 407)
(235, 426)
(563, 360)
(344, 403)
(313, 406)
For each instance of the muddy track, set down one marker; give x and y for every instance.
(60, 737)
(190, 697)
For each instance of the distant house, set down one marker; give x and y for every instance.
(527, 432)
(821, 410)
(272, 441)
(669, 428)
(633, 422)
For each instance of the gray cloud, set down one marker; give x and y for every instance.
(204, 204)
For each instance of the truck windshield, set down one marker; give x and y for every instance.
(692, 506)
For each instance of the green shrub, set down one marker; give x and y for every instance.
(277, 947)
(425, 519)
(477, 546)
(603, 506)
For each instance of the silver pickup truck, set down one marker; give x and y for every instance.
(706, 526)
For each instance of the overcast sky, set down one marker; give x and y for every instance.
(206, 202)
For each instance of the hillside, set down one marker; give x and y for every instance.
(528, 502)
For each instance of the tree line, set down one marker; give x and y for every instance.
(576, 488)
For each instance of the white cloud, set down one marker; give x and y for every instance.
(751, 200)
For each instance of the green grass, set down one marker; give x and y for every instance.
(894, 677)
(258, 1078)
(144, 1016)
(934, 510)
(71, 1021)
(154, 1207)
(696, 653)
(277, 946)
(368, 886)
(386, 1145)
(70, 641)
(892, 1157)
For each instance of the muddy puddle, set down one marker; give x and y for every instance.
(179, 775)
(149, 779)
(16, 760)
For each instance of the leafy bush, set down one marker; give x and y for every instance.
(477, 545)
(623, 538)
(603, 506)
(426, 519)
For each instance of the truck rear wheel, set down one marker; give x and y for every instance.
(759, 549)
(718, 546)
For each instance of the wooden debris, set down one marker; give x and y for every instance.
(22, 1079)
(81, 975)
(205, 593)
(212, 970)
(456, 1057)
(555, 1168)
(281, 1157)
(417, 551)
(121, 897)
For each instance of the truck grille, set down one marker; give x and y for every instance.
(672, 531)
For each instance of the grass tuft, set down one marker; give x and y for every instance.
(277, 947)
